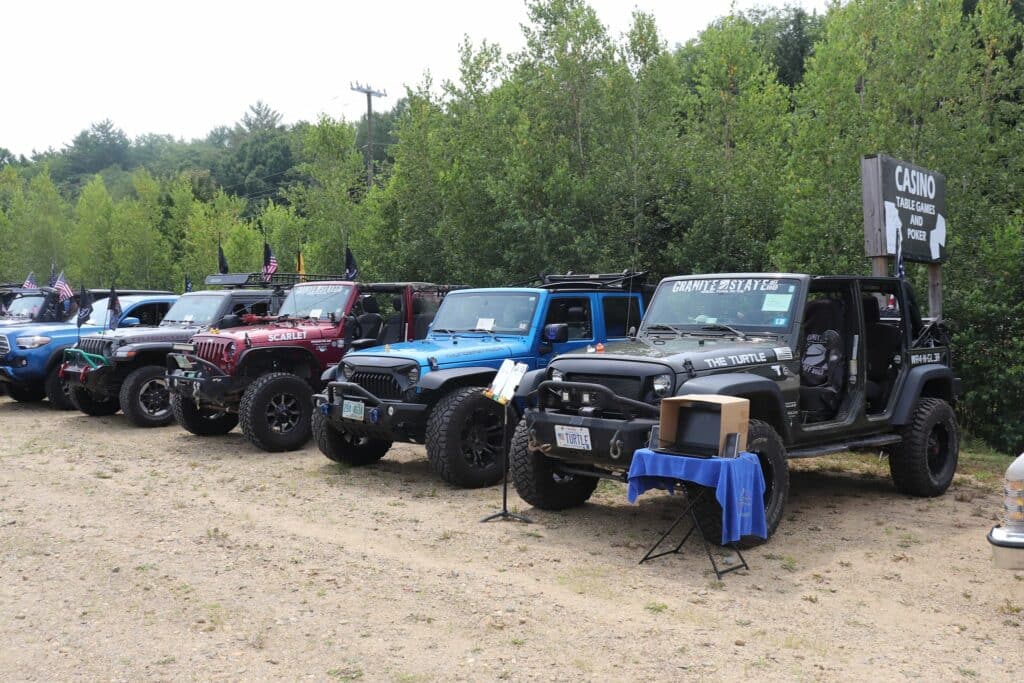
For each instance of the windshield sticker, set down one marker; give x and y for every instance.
(780, 322)
(315, 312)
(726, 286)
(485, 324)
(776, 302)
(523, 326)
(323, 289)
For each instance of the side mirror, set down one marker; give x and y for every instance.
(230, 320)
(555, 333)
(130, 322)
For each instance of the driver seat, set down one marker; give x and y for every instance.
(370, 320)
(822, 360)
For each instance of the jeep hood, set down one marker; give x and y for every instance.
(151, 335)
(703, 353)
(272, 333)
(447, 352)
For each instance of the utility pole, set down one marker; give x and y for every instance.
(370, 94)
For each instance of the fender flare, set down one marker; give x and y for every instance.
(917, 380)
(301, 350)
(529, 382)
(765, 396)
(439, 378)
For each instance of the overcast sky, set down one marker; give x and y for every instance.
(184, 67)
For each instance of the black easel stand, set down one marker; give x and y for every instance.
(504, 514)
(688, 509)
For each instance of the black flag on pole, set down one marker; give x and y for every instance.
(351, 269)
(113, 309)
(84, 306)
(222, 261)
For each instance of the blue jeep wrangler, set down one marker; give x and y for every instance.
(30, 355)
(431, 390)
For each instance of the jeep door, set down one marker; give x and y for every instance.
(576, 310)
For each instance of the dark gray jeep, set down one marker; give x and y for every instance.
(829, 364)
(125, 368)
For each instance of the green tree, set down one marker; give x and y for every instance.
(92, 239)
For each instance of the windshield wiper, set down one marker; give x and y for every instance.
(724, 328)
(660, 327)
(444, 330)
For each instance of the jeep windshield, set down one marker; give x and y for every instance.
(194, 309)
(26, 306)
(316, 301)
(718, 306)
(494, 312)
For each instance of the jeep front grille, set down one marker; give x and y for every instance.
(5, 346)
(625, 386)
(94, 345)
(212, 350)
(380, 384)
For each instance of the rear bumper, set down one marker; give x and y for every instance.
(613, 440)
(382, 418)
(198, 380)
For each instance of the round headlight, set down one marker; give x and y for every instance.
(557, 375)
(346, 370)
(662, 384)
(414, 375)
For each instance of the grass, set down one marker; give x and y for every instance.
(656, 607)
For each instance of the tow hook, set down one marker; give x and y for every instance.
(615, 447)
(534, 445)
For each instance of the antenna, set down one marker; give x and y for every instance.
(370, 93)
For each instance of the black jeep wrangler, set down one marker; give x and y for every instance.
(125, 369)
(825, 371)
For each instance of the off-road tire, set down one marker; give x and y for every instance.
(201, 421)
(341, 446)
(448, 429)
(294, 395)
(26, 394)
(57, 393)
(538, 481)
(82, 399)
(924, 463)
(134, 404)
(765, 442)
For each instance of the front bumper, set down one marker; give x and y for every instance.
(613, 439)
(19, 370)
(1007, 548)
(382, 418)
(201, 381)
(88, 370)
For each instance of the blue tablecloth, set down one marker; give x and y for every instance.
(738, 484)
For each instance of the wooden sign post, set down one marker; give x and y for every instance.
(904, 213)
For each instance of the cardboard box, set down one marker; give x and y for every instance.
(697, 422)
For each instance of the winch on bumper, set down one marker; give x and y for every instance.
(356, 410)
(201, 381)
(83, 369)
(603, 431)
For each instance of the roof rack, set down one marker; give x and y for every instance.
(625, 280)
(259, 281)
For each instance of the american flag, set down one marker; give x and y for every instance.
(30, 282)
(269, 262)
(64, 291)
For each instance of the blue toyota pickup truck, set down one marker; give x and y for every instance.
(431, 390)
(30, 355)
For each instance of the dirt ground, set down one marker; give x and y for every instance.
(130, 554)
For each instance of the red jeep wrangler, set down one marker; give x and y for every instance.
(264, 375)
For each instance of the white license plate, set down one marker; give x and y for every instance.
(353, 410)
(577, 438)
